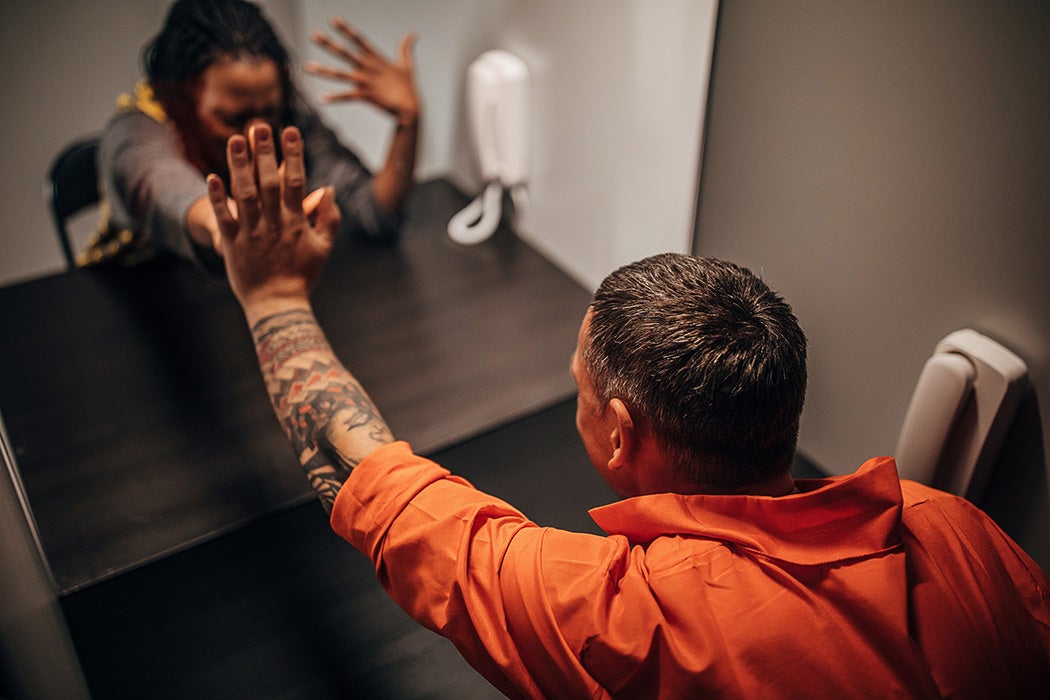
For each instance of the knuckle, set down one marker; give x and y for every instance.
(249, 198)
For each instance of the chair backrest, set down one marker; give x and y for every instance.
(72, 185)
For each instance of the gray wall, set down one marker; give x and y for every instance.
(64, 63)
(886, 165)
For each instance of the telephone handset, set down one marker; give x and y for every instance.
(498, 112)
(963, 404)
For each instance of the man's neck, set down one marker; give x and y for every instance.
(781, 485)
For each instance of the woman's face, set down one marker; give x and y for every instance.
(231, 94)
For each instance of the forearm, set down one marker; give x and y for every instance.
(201, 225)
(150, 187)
(327, 415)
(393, 182)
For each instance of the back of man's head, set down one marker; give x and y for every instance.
(711, 360)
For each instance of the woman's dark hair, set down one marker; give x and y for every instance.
(197, 34)
(712, 360)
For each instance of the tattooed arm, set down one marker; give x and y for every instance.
(274, 252)
(330, 420)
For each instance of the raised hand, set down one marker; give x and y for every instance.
(387, 84)
(274, 250)
(274, 247)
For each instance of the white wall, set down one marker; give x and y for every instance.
(620, 90)
(451, 33)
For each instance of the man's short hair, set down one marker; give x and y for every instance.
(709, 358)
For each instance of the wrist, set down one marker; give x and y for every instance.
(408, 117)
(256, 309)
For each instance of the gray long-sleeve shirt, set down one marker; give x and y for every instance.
(149, 185)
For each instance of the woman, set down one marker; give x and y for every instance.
(215, 68)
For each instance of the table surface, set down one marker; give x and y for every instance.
(284, 608)
(138, 420)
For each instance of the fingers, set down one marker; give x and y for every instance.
(323, 214)
(337, 50)
(386, 83)
(269, 182)
(293, 170)
(312, 201)
(343, 28)
(366, 57)
(326, 216)
(347, 96)
(357, 77)
(259, 187)
(404, 49)
(242, 181)
(315, 68)
(217, 197)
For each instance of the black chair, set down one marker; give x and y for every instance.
(72, 185)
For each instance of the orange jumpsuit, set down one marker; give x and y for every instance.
(844, 590)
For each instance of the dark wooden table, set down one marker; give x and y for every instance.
(284, 608)
(138, 420)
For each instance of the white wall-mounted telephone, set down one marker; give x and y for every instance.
(963, 404)
(498, 111)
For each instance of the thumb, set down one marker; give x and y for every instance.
(326, 214)
(312, 201)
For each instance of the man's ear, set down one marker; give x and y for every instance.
(624, 435)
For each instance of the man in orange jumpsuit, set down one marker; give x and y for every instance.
(720, 574)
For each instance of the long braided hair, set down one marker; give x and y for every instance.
(198, 34)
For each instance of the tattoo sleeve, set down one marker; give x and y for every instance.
(329, 419)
